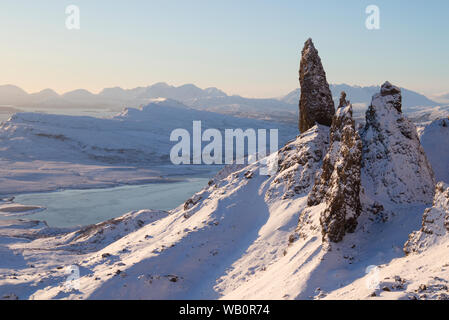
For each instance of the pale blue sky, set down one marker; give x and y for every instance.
(247, 47)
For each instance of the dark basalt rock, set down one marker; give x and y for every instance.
(394, 92)
(316, 104)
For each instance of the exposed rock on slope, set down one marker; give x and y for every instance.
(395, 167)
(435, 223)
(298, 163)
(339, 183)
(316, 104)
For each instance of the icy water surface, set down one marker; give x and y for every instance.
(83, 207)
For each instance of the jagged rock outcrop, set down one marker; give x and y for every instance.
(339, 183)
(435, 223)
(316, 104)
(395, 167)
(298, 163)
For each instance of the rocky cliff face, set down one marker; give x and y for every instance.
(435, 223)
(339, 183)
(395, 167)
(316, 104)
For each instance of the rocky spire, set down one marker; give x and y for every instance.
(338, 186)
(316, 104)
(394, 161)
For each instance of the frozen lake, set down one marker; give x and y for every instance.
(70, 208)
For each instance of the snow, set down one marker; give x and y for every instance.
(41, 152)
(395, 165)
(234, 242)
(424, 272)
(435, 139)
(244, 235)
(435, 225)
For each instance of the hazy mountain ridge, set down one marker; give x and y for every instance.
(210, 99)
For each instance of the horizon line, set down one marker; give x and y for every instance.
(97, 92)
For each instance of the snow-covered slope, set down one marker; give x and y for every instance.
(423, 273)
(252, 236)
(218, 234)
(435, 141)
(435, 224)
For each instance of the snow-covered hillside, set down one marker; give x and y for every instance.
(251, 236)
(80, 150)
(423, 273)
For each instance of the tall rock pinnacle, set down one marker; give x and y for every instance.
(338, 185)
(316, 104)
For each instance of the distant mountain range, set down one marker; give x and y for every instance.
(210, 99)
(442, 98)
(357, 94)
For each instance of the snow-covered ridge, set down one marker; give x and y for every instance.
(435, 223)
(395, 166)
